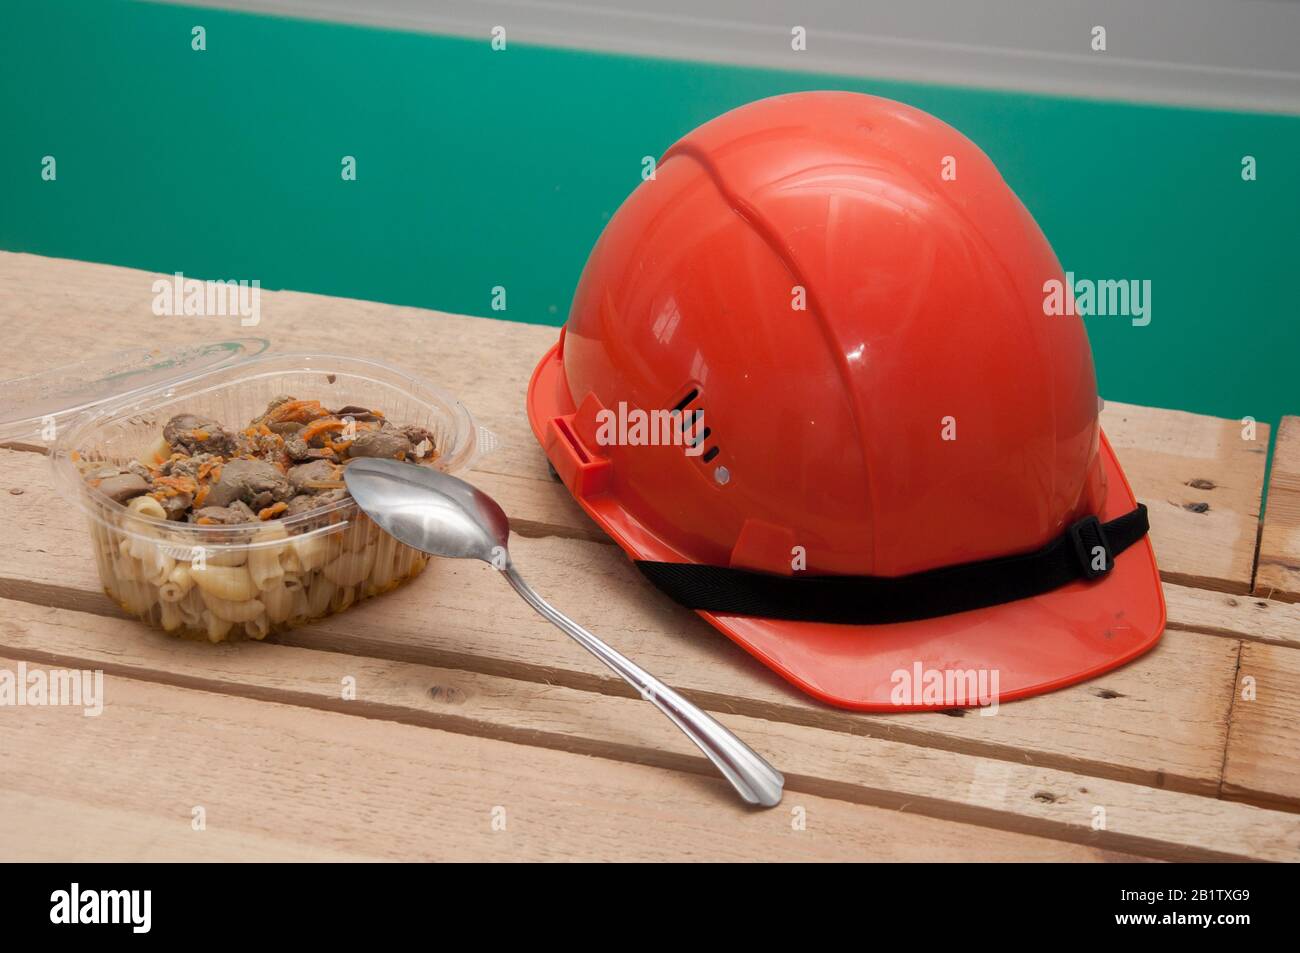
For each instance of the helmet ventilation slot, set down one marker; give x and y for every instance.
(681, 404)
(693, 443)
(688, 419)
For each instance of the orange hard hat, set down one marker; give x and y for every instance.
(809, 385)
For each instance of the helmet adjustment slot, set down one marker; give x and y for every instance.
(1089, 539)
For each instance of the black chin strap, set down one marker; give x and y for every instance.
(1087, 550)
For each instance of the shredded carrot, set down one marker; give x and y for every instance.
(317, 427)
(205, 521)
(272, 511)
(299, 411)
(175, 486)
(202, 495)
(200, 435)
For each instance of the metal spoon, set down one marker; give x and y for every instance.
(444, 516)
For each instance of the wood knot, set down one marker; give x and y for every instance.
(447, 695)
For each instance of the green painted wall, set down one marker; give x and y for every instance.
(478, 168)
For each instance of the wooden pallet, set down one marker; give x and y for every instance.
(471, 710)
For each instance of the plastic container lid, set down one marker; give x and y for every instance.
(29, 404)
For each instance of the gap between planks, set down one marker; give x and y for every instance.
(1232, 707)
(1277, 567)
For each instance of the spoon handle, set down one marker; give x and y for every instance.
(753, 778)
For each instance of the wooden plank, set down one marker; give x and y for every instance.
(1262, 764)
(1202, 484)
(1161, 720)
(1277, 575)
(88, 831)
(282, 781)
(941, 784)
(1251, 618)
(1200, 480)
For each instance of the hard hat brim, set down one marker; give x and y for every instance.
(1015, 649)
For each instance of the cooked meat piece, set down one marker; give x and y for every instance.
(305, 502)
(318, 471)
(301, 504)
(380, 443)
(298, 411)
(176, 505)
(284, 427)
(224, 515)
(186, 466)
(256, 482)
(268, 415)
(299, 451)
(257, 443)
(357, 413)
(123, 486)
(197, 434)
(417, 436)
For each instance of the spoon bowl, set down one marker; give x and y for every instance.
(425, 508)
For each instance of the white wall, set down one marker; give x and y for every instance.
(1234, 54)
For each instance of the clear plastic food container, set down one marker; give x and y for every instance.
(252, 579)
